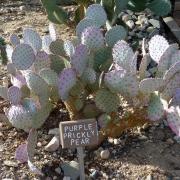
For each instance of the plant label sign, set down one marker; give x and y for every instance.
(79, 133)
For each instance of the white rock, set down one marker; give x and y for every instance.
(105, 154)
(58, 170)
(22, 8)
(53, 144)
(130, 24)
(54, 131)
(116, 141)
(126, 17)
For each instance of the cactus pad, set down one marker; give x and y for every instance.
(173, 119)
(157, 46)
(176, 98)
(21, 153)
(36, 83)
(57, 47)
(150, 85)
(67, 80)
(49, 76)
(14, 40)
(107, 101)
(23, 56)
(104, 120)
(123, 54)
(93, 38)
(156, 108)
(69, 48)
(79, 59)
(115, 34)
(32, 38)
(97, 13)
(89, 76)
(14, 95)
(46, 41)
(18, 80)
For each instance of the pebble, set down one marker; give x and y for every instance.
(22, 8)
(39, 144)
(53, 144)
(155, 23)
(10, 163)
(130, 24)
(54, 131)
(116, 141)
(149, 177)
(95, 174)
(105, 154)
(58, 170)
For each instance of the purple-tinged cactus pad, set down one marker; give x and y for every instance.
(115, 34)
(31, 143)
(79, 59)
(176, 98)
(14, 95)
(46, 41)
(173, 119)
(23, 56)
(123, 54)
(171, 72)
(67, 80)
(19, 117)
(175, 57)
(14, 39)
(93, 38)
(171, 87)
(157, 107)
(82, 25)
(21, 153)
(157, 46)
(18, 80)
(42, 55)
(32, 38)
(97, 13)
(69, 48)
(3, 92)
(52, 31)
(165, 60)
(150, 85)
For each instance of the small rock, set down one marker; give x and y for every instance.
(110, 140)
(155, 23)
(149, 177)
(116, 141)
(53, 144)
(39, 144)
(10, 163)
(170, 141)
(130, 24)
(22, 8)
(58, 170)
(177, 139)
(54, 131)
(126, 17)
(150, 29)
(143, 137)
(105, 154)
(129, 12)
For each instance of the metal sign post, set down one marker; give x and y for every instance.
(80, 151)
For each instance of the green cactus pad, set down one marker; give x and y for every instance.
(97, 13)
(82, 25)
(23, 56)
(160, 7)
(14, 39)
(157, 46)
(90, 111)
(107, 101)
(41, 64)
(79, 104)
(57, 47)
(150, 85)
(104, 120)
(115, 34)
(165, 60)
(57, 63)
(3, 92)
(123, 54)
(77, 89)
(36, 83)
(89, 76)
(157, 107)
(173, 119)
(31, 144)
(32, 38)
(93, 38)
(49, 76)
(101, 56)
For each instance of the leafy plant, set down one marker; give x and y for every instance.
(93, 75)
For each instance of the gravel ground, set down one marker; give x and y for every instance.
(147, 153)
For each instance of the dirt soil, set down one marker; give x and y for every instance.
(144, 153)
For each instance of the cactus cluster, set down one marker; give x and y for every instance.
(92, 75)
